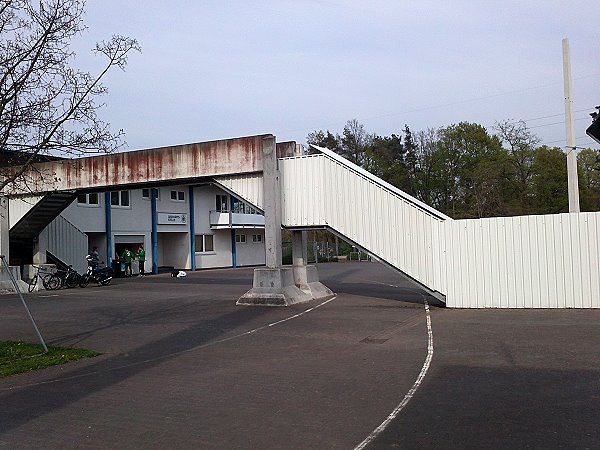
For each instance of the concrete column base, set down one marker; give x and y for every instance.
(307, 280)
(7, 284)
(274, 287)
(285, 286)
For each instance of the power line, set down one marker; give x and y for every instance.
(555, 123)
(556, 115)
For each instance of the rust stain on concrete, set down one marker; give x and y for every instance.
(178, 162)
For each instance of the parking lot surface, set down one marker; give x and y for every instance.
(183, 367)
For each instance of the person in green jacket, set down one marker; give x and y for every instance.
(127, 257)
(141, 256)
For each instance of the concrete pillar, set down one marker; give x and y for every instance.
(273, 285)
(299, 250)
(306, 277)
(276, 285)
(272, 204)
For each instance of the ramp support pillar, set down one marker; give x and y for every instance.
(306, 277)
(276, 285)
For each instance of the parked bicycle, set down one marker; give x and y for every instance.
(68, 278)
(50, 280)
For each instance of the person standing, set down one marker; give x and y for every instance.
(127, 257)
(94, 258)
(141, 256)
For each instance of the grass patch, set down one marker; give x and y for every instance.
(19, 357)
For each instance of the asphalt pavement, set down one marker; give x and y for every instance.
(183, 367)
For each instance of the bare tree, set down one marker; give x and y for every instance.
(354, 143)
(520, 144)
(49, 109)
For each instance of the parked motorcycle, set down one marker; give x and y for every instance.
(101, 275)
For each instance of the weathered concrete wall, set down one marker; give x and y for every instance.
(180, 162)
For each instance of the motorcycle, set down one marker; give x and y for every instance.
(101, 275)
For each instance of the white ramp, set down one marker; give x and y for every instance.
(546, 261)
(325, 190)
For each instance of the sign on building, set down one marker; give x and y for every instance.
(172, 218)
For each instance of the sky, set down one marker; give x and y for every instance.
(218, 69)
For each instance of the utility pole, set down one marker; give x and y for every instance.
(570, 147)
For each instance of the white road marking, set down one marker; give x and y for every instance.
(409, 395)
(181, 352)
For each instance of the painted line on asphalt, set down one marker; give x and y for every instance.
(158, 358)
(409, 395)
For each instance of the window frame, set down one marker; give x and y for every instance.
(240, 238)
(219, 203)
(119, 196)
(87, 203)
(179, 196)
(202, 239)
(150, 193)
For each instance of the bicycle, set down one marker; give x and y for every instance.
(68, 278)
(50, 280)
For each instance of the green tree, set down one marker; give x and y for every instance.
(321, 138)
(548, 190)
(429, 165)
(387, 156)
(588, 163)
(411, 161)
(472, 171)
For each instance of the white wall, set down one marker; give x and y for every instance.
(547, 261)
(251, 253)
(18, 207)
(175, 250)
(221, 257)
(89, 219)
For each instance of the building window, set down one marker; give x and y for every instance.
(222, 203)
(257, 238)
(178, 196)
(242, 208)
(204, 243)
(240, 238)
(147, 191)
(90, 199)
(120, 199)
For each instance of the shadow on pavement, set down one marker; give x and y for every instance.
(27, 403)
(464, 407)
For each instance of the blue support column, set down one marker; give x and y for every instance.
(233, 244)
(233, 250)
(108, 228)
(154, 233)
(192, 228)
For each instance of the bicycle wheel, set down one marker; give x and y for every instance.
(72, 279)
(53, 282)
(84, 280)
(33, 283)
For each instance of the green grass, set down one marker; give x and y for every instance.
(19, 357)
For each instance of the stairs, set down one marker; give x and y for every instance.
(40, 215)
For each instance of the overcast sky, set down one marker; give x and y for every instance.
(216, 69)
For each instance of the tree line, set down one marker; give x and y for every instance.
(466, 171)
